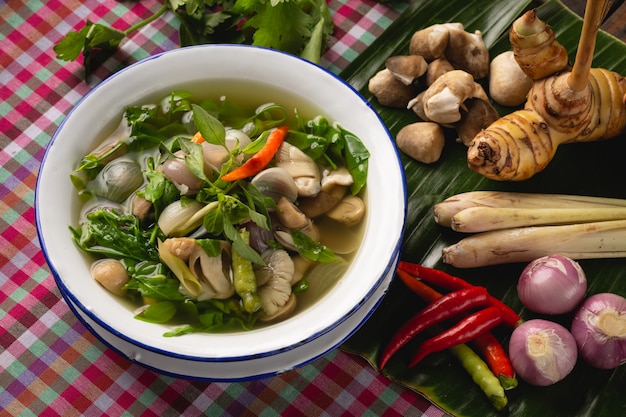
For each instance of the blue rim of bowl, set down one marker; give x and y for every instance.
(77, 303)
(79, 315)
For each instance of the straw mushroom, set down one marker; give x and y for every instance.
(301, 167)
(508, 83)
(325, 200)
(436, 69)
(276, 183)
(290, 216)
(467, 51)
(431, 42)
(407, 68)
(389, 91)
(422, 141)
(479, 115)
(337, 176)
(111, 274)
(444, 99)
(274, 280)
(349, 211)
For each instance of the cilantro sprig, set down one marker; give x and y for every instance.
(299, 27)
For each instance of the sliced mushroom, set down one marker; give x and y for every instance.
(349, 211)
(277, 263)
(301, 167)
(111, 274)
(325, 200)
(215, 155)
(338, 176)
(290, 216)
(275, 183)
(275, 294)
(281, 313)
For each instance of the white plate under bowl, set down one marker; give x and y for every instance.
(278, 347)
(232, 371)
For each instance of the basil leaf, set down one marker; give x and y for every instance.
(211, 129)
(212, 247)
(311, 249)
(356, 156)
(194, 158)
(160, 312)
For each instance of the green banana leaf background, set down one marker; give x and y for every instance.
(584, 169)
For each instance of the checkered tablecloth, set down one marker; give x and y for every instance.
(50, 364)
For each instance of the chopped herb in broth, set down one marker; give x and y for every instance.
(216, 218)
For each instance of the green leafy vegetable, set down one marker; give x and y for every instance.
(112, 234)
(299, 27)
(311, 249)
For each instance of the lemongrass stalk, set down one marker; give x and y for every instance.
(578, 241)
(483, 219)
(445, 210)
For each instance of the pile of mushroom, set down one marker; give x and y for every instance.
(438, 80)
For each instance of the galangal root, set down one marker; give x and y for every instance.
(582, 105)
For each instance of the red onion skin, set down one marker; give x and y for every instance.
(550, 366)
(591, 325)
(552, 284)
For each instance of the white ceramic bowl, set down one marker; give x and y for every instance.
(226, 357)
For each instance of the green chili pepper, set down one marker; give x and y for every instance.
(244, 279)
(481, 375)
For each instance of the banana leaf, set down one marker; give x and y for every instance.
(585, 169)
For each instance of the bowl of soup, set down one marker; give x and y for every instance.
(222, 212)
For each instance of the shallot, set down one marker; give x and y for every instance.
(599, 327)
(553, 284)
(542, 352)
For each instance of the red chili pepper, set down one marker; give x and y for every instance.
(452, 283)
(497, 358)
(447, 306)
(259, 160)
(464, 331)
(491, 349)
(434, 276)
(418, 287)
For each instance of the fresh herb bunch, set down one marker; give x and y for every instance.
(299, 27)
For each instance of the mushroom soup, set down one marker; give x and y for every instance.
(221, 213)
